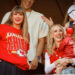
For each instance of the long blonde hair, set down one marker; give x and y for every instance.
(50, 40)
(24, 25)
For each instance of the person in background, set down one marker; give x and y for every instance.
(38, 30)
(69, 20)
(14, 43)
(54, 61)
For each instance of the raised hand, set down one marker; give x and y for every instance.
(48, 21)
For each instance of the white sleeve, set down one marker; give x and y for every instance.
(48, 66)
(43, 29)
(73, 59)
(5, 17)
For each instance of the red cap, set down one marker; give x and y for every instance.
(69, 31)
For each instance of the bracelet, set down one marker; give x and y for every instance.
(38, 57)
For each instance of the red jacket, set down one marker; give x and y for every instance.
(57, 55)
(68, 46)
(13, 48)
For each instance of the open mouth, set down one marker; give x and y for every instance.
(58, 37)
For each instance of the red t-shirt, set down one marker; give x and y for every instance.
(13, 48)
(68, 47)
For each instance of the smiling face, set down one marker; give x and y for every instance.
(57, 33)
(17, 18)
(27, 4)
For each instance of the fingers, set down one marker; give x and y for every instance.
(63, 61)
(45, 18)
(67, 60)
(48, 21)
(34, 64)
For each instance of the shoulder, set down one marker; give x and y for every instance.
(4, 25)
(8, 13)
(5, 17)
(37, 14)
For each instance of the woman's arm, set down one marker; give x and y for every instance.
(48, 66)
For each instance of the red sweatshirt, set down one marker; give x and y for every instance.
(13, 48)
(68, 47)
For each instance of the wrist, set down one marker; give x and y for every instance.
(50, 25)
(38, 57)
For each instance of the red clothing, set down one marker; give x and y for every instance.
(68, 46)
(13, 48)
(57, 55)
(69, 31)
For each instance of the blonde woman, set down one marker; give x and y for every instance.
(54, 63)
(14, 43)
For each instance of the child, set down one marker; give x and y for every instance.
(14, 43)
(68, 44)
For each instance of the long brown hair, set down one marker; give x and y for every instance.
(24, 25)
